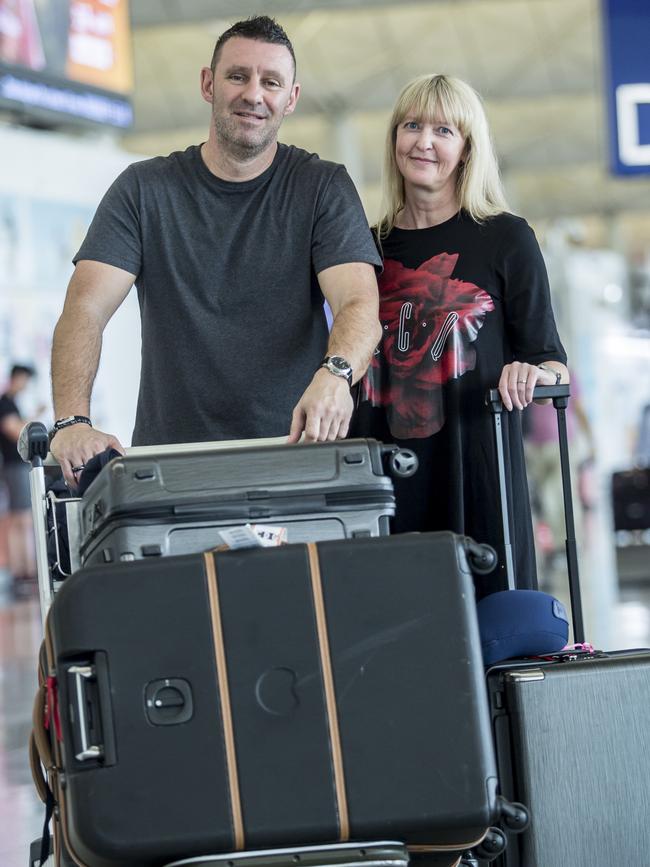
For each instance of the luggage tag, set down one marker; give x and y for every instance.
(253, 536)
(269, 536)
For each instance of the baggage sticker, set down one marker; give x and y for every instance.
(254, 536)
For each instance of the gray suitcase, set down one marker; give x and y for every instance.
(573, 742)
(177, 502)
(572, 732)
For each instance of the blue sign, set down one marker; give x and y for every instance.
(626, 28)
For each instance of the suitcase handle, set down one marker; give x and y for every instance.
(560, 397)
(559, 393)
(81, 675)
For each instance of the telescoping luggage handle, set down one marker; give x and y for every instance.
(560, 397)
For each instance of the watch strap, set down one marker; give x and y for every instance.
(556, 373)
(336, 371)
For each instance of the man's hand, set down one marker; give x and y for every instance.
(72, 446)
(324, 411)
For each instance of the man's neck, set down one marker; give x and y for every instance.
(229, 168)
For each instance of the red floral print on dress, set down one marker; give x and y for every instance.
(430, 323)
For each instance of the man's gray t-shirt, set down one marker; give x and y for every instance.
(233, 326)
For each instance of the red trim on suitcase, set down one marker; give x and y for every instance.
(52, 707)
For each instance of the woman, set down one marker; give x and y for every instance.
(465, 305)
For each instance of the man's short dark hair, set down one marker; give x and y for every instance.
(259, 27)
(21, 368)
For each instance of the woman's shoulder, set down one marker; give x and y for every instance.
(505, 231)
(505, 223)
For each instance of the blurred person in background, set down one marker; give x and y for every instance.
(15, 475)
(465, 306)
(232, 245)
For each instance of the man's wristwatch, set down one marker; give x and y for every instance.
(60, 423)
(553, 371)
(338, 366)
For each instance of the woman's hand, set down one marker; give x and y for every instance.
(517, 382)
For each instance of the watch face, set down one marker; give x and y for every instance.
(339, 363)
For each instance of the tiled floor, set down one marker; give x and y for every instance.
(21, 814)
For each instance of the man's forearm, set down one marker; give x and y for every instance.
(76, 349)
(355, 334)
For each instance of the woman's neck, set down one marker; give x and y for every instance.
(423, 209)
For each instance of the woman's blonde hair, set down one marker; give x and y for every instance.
(441, 97)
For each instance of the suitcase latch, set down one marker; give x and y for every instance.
(168, 701)
(525, 676)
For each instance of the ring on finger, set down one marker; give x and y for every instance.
(79, 468)
(524, 381)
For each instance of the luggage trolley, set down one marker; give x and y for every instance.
(33, 448)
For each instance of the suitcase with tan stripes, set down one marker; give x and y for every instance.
(271, 697)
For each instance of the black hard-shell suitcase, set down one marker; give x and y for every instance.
(177, 503)
(278, 697)
(572, 731)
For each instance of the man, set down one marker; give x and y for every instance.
(15, 474)
(232, 246)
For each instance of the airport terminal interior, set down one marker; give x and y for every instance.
(546, 72)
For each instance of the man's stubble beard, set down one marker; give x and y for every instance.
(234, 143)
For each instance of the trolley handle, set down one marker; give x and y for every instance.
(34, 443)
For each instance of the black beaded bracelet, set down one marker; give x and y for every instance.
(69, 420)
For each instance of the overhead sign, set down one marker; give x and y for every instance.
(66, 58)
(626, 28)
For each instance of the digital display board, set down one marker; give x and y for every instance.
(67, 58)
